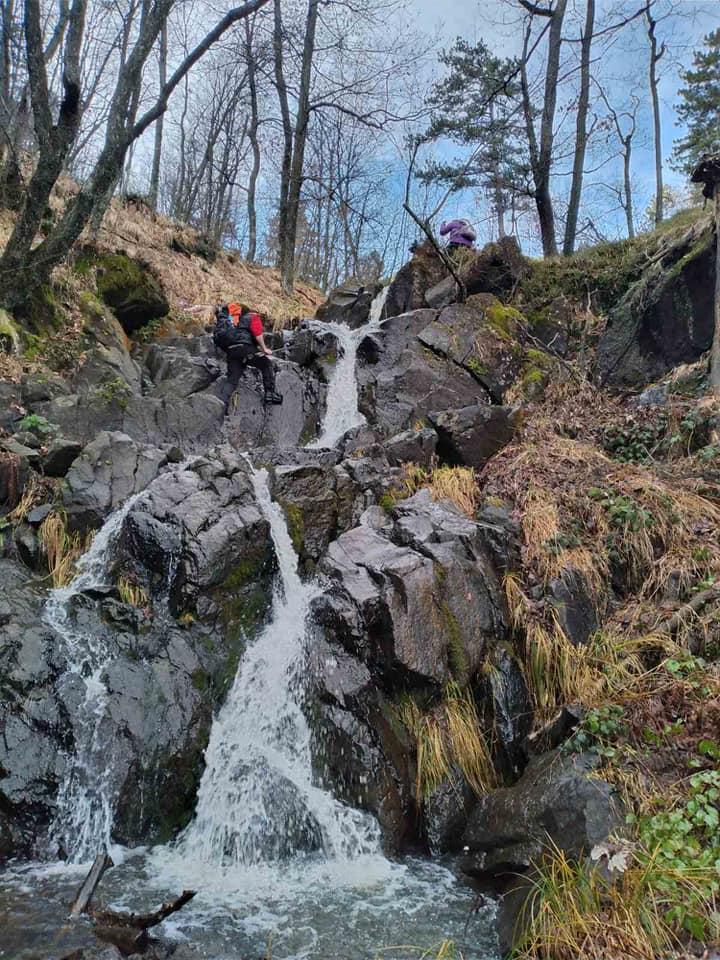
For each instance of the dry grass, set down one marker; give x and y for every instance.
(448, 736)
(577, 913)
(192, 284)
(456, 484)
(61, 549)
(132, 593)
(37, 490)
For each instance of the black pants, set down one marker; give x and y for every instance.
(237, 360)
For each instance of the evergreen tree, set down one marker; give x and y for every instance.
(477, 105)
(700, 107)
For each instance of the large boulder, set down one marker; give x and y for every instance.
(176, 373)
(407, 290)
(666, 317)
(348, 305)
(557, 800)
(252, 424)
(401, 380)
(472, 435)
(110, 469)
(130, 290)
(390, 604)
(484, 337)
(496, 269)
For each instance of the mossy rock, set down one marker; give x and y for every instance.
(130, 290)
(10, 341)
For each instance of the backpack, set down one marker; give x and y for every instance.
(232, 327)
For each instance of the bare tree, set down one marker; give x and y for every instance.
(657, 51)
(581, 131)
(24, 267)
(157, 152)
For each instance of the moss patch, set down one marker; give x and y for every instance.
(130, 290)
(295, 524)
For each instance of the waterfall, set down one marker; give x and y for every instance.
(86, 798)
(342, 412)
(257, 801)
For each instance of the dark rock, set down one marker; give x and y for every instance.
(555, 800)
(574, 607)
(412, 446)
(557, 730)
(483, 336)
(512, 709)
(130, 290)
(307, 495)
(656, 395)
(38, 514)
(11, 445)
(553, 327)
(11, 409)
(407, 291)
(666, 318)
(108, 471)
(195, 420)
(176, 373)
(401, 381)
(348, 305)
(445, 813)
(389, 608)
(38, 387)
(60, 456)
(28, 439)
(26, 544)
(472, 435)
(502, 535)
(442, 294)
(496, 269)
(252, 424)
(198, 532)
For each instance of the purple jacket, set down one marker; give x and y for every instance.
(459, 231)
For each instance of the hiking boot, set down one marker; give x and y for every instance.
(272, 396)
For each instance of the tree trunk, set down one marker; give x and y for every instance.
(254, 144)
(580, 132)
(715, 354)
(655, 55)
(159, 123)
(627, 153)
(298, 149)
(286, 162)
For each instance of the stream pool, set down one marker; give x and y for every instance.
(366, 909)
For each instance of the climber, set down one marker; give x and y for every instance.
(459, 232)
(239, 333)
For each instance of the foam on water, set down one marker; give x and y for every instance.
(86, 798)
(342, 413)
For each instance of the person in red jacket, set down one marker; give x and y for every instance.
(240, 333)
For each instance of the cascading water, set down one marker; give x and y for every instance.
(86, 799)
(257, 801)
(342, 412)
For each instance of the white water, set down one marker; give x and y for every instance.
(86, 799)
(257, 802)
(342, 412)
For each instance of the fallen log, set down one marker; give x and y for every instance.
(101, 863)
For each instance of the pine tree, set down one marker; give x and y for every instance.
(700, 107)
(477, 105)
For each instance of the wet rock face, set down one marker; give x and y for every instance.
(348, 305)
(665, 319)
(110, 469)
(391, 604)
(31, 717)
(401, 381)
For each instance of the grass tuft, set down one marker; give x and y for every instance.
(61, 549)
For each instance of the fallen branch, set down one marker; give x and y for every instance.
(444, 258)
(672, 625)
(85, 894)
(142, 921)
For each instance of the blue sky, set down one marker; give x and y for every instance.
(627, 64)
